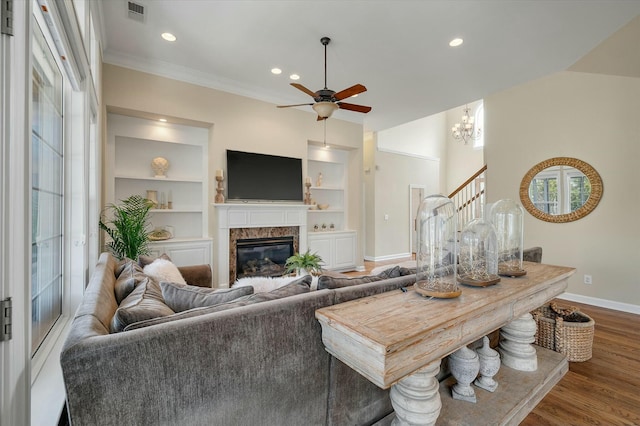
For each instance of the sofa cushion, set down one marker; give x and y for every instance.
(144, 302)
(407, 271)
(330, 282)
(181, 297)
(198, 275)
(263, 284)
(164, 270)
(533, 254)
(129, 277)
(299, 286)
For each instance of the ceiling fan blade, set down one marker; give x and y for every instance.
(346, 93)
(304, 89)
(354, 107)
(287, 106)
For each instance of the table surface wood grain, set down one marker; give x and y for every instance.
(388, 336)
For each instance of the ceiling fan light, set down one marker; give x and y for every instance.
(324, 109)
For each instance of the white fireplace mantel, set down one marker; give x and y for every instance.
(254, 215)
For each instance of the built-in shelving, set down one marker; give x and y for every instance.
(132, 144)
(337, 244)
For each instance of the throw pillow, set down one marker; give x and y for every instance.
(183, 297)
(145, 260)
(299, 286)
(326, 281)
(129, 277)
(164, 270)
(121, 265)
(144, 302)
(263, 284)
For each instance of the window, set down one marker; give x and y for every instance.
(559, 190)
(579, 189)
(544, 192)
(46, 191)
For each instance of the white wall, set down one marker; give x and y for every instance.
(238, 123)
(593, 118)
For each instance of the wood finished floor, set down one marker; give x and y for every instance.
(602, 391)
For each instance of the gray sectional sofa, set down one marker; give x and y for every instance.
(249, 364)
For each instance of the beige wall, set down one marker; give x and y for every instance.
(394, 173)
(421, 153)
(462, 161)
(369, 194)
(593, 118)
(238, 123)
(389, 172)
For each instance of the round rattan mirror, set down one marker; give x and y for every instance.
(561, 189)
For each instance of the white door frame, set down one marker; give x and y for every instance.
(412, 212)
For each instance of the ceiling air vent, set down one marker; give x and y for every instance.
(136, 11)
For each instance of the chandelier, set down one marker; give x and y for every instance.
(466, 130)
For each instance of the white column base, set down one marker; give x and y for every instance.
(415, 398)
(515, 344)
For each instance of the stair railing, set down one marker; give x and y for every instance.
(469, 198)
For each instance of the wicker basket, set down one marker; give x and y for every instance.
(564, 330)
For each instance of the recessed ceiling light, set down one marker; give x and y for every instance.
(168, 37)
(294, 77)
(276, 71)
(164, 120)
(456, 42)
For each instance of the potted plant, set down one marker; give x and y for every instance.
(303, 264)
(128, 228)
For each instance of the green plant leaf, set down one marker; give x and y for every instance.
(311, 262)
(128, 228)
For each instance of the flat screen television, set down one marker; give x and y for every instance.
(262, 177)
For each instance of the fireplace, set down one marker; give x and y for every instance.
(262, 257)
(251, 236)
(263, 220)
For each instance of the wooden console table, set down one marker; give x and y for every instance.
(397, 339)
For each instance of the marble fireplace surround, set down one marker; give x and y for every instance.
(255, 220)
(236, 234)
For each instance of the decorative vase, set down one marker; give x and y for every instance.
(489, 366)
(153, 197)
(160, 165)
(465, 365)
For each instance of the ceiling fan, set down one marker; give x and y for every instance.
(327, 100)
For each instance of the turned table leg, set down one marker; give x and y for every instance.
(415, 398)
(516, 347)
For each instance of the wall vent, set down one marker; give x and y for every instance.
(136, 11)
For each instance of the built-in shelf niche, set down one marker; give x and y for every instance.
(132, 144)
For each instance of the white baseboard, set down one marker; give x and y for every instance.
(603, 303)
(389, 257)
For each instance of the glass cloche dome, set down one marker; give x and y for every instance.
(507, 217)
(478, 255)
(436, 254)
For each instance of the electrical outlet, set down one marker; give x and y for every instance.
(587, 279)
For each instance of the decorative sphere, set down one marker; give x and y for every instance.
(159, 165)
